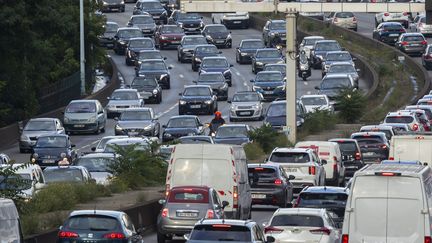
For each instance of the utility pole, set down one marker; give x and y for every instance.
(82, 53)
(291, 80)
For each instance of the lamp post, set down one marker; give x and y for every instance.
(82, 53)
(291, 80)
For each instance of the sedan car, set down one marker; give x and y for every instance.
(419, 25)
(335, 56)
(320, 51)
(276, 114)
(196, 139)
(412, 43)
(137, 122)
(343, 19)
(351, 155)
(374, 146)
(265, 56)
(333, 84)
(202, 51)
(274, 29)
(308, 44)
(122, 99)
(84, 116)
(168, 36)
(197, 99)
(388, 32)
(147, 54)
(281, 67)
(191, 23)
(51, 149)
(107, 38)
(122, 37)
(148, 88)
(139, 143)
(218, 35)
(145, 22)
(98, 165)
(247, 49)
(152, 7)
(179, 126)
(187, 46)
(270, 185)
(313, 103)
(237, 134)
(103, 225)
(183, 207)
(345, 68)
(157, 69)
(136, 45)
(246, 105)
(217, 64)
(36, 127)
(216, 81)
(112, 5)
(67, 174)
(270, 84)
(238, 19)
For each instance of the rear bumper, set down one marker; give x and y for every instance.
(268, 197)
(235, 22)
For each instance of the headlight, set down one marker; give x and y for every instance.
(122, 2)
(182, 102)
(197, 59)
(148, 127)
(92, 119)
(243, 54)
(164, 37)
(62, 155)
(209, 37)
(208, 102)
(259, 63)
(281, 87)
(229, 36)
(155, 91)
(105, 3)
(256, 107)
(117, 127)
(272, 34)
(23, 137)
(66, 120)
(233, 107)
(256, 88)
(122, 42)
(167, 135)
(180, 25)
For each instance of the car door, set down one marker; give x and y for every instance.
(217, 204)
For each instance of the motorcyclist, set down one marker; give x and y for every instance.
(216, 122)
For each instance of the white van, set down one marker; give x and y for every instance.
(388, 203)
(411, 147)
(330, 152)
(222, 167)
(10, 230)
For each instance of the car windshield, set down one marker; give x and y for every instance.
(278, 26)
(143, 81)
(81, 107)
(215, 62)
(135, 115)
(297, 220)
(220, 233)
(392, 27)
(291, 157)
(268, 54)
(368, 140)
(15, 182)
(314, 100)
(190, 41)
(327, 46)
(197, 91)
(172, 30)
(194, 140)
(347, 68)
(142, 20)
(335, 83)
(51, 142)
(311, 42)
(212, 77)
(188, 16)
(63, 175)
(252, 44)
(111, 28)
(91, 223)
(207, 49)
(343, 56)
(231, 132)
(129, 33)
(268, 77)
(141, 43)
(182, 122)
(280, 68)
(100, 164)
(149, 55)
(314, 198)
(344, 15)
(246, 97)
(188, 196)
(124, 95)
(260, 174)
(413, 38)
(399, 119)
(216, 29)
(153, 65)
(40, 126)
(276, 110)
(151, 5)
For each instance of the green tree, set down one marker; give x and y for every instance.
(351, 105)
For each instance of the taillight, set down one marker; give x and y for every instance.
(335, 168)
(357, 156)
(114, 235)
(278, 182)
(391, 158)
(345, 238)
(404, 43)
(427, 239)
(272, 230)
(312, 170)
(424, 42)
(210, 214)
(167, 189)
(235, 197)
(384, 146)
(164, 213)
(415, 127)
(67, 234)
(322, 230)
(386, 14)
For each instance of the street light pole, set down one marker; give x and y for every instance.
(82, 53)
(291, 80)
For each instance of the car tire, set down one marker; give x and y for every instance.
(97, 131)
(180, 112)
(237, 59)
(194, 68)
(253, 69)
(159, 99)
(168, 86)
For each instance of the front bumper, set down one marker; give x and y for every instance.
(112, 7)
(270, 95)
(169, 42)
(246, 114)
(190, 108)
(87, 127)
(261, 196)
(220, 42)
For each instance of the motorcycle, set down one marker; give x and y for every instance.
(304, 68)
(212, 128)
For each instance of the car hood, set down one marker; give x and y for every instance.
(137, 49)
(195, 98)
(251, 103)
(331, 93)
(124, 102)
(152, 72)
(55, 152)
(328, 62)
(213, 85)
(148, 88)
(154, 11)
(180, 131)
(79, 116)
(248, 50)
(234, 141)
(214, 69)
(101, 177)
(269, 60)
(37, 133)
(145, 26)
(133, 124)
(219, 35)
(189, 21)
(268, 84)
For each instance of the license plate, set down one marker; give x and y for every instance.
(237, 22)
(79, 125)
(291, 169)
(132, 133)
(415, 45)
(244, 113)
(268, 92)
(368, 154)
(155, 17)
(393, 34)
(195, 106)
(48, 161)
(175, 42)
(187, 215)
(258, 196)
(221, 41)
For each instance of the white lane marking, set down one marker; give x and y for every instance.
(306, 83)
(88, 145)
(181, 75)
(309, 92)
(238, 73)
(160, 114)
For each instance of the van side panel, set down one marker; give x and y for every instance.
(405, 147)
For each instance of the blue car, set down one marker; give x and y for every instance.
(388, 32)
(217, 64)
(271, 84)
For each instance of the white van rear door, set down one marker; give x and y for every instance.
(219, 174)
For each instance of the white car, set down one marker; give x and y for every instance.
(32, 174)
(405, 117)
(98, 165)
(419, 25)
(313, 103)
(401, 17)
(308, 43)
(302, 225)
(100, 147)
(238, 19)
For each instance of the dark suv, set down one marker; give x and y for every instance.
(190, 22)
(374, 146)
(154, 8)
(136, 45)
(246, 50)
(155, 68)
(202, 51)
(351, 155)
(122, 37)
(270, 84)
(197, 99)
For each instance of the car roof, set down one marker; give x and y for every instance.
(65, 167)
(313, 37)
(250, 40)
(337, 75)
(234, 125)
(128, 28)
(109, 213)
(98, 155)
(267, 49)
(130, 140)
(216, 57)
(337, 52)
(342, 139)
(197, 86)
(212, 73)
(292, 150)
(277, 21)
(383, 127)
(111, 22)
(139, 109)
(368, 134)
(53, 135)
(316, 211)
(412, 34)
(340, 63)
(313, 96)
(274, 166)
(405, 169)
(83, 100)
(141, 38)
(153, 60)
(8, 209)
(211, 25)
(183, 116)
(28, 168)
(326, 41)
(275, 64)
(400, 113)
(152, 50)
(192, 36)
(325, 189)
(190, 187)
(125, 90)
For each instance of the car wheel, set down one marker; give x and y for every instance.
(103, 129)
(97, 131)
(194, 67)
(253, 68)
(178, 57)
(180, 112)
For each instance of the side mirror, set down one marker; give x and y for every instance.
(317, 88)
(252, 81)
(323, 162)
(291, 177)
(231, 65)
(220, 52)
(169, 67)
(116, 119)
(73, 145)
(164, 58)
(224, 204)
(93, 149)
(164, 126)
(270, 239)
(162, 201)
(229, 101)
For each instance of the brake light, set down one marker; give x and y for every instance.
(384, 146)
(427, 239)
(114, 236)
(345, 238)
(424, 42)
(235, 197)
(404, 43)
(188, 189)
(387, 174)
(278, 182)
(322, 230)
(391, 158)
(415, 127)
(419, 137)
(272, 230)
(357, 156)
(167, 189)
(386, 14)
(164, 213)
(210, 214)
(402, 30)
(259, 168)
(67, 234)
(312, 170)
(221, 226)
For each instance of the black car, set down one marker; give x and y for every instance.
(202, 51)
(122, 37)
(51, 149)
(320, 50)
(247, 49)
(152, 7)
(216, 81)
(179, 126)
(191, 22)
(388, 32)
(270, 185)
(265, 56)
(107, 39)
(271, 84)
(274, 31)
(276, 114)
(112, 5)
(137, 122)
(145, 22)
(148, 54)
(134, 46)
(187, 46)
(374, 146)
(217, 64)
(351, 155)
(218, 35)
(148, 88)
(236, 134)
(281, 67)
(98, 226)
(155, 68)
(197, 99)
(332, 85)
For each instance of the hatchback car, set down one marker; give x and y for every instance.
(216, 81)
(313, 103)
(270, 185)
(333, 84)
(343, 19)
(247, 49)
(191, 23)
(107, 38)
(412, 43)
(148, 88)
(336, 56)
(183, 207)
(237, 134)
(281, 67)
(388, 130)
(351, 155)
(374, 146)
(168, 36)
(136, 45)
(122, 99)
(67, 174)
(265, 56)
(218, 35)
(419, 25)
(137, 122)
(202, 51)
(179, 126)
(320, 50)
(28, 178)
(187, 46)
(246, 105)
(98, 165)
(49, 150)
(122, 37)
(408, 118)
(388, 32)
(217, 64)
(82, 116)
(272, 30)
(152, 7)
(271, 84)
(145, 22)
(422, 117)
(147, 54)
(345, 68)
(157, 69)
(112, 5)
(100, 146)
(102, 225)
(197, 99)
(36, 127)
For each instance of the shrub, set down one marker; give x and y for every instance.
(351, 105)
(267, 138)
(318, 121)
(254, 151)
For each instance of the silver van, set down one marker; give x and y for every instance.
(85, 116)
(10, 230)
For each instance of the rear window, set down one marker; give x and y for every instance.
(255, 174)
(413, 38)
(367, 140)
(399, 119)
(221, 233)
(297, 220)
(332, 197)
(92, 223)
(347, 146)
(345, 15)
(289, 157)
(188, 197)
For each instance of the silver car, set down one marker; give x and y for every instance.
(36, 127)
(345, 68)
(137, 122)
(84, 116)
(100, 147)
(122, 99)
(97, 164)
(246, 105)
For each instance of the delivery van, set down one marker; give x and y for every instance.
(411, 147)
(222, 167)
(10, 230)
(388, 203)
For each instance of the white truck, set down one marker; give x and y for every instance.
(411, 147)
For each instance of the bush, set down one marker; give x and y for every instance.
(254, 151)
(351, 105)
(318, 121)
(267, 138)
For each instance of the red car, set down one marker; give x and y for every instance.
(168, 36)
